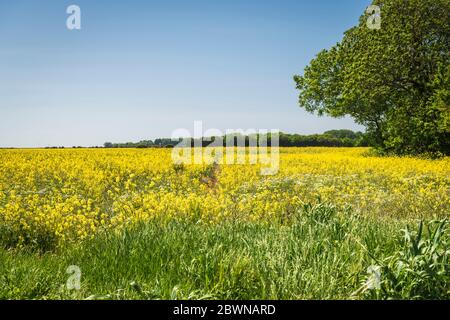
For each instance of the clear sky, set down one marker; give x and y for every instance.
(141, 69)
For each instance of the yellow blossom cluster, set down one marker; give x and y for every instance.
(73, 194)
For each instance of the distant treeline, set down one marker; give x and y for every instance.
(332, 138)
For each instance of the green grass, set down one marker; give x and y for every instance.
(319, 253)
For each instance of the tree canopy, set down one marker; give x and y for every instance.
(332, 138)
(395, 80)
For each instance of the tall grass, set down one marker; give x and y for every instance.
(320, 253)
(419, 268)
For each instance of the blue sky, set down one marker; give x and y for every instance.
(141, 69)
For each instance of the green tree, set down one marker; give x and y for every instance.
(393, 80)
(341, 134)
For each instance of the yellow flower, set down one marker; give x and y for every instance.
(74, 194)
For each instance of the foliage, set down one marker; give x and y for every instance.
(332, 138)
(313, 255)
(394, 80)
(419, 268)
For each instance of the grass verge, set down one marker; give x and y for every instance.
(320, 253)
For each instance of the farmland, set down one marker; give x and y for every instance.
(139, 226)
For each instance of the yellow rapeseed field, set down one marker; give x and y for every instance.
(73, 194)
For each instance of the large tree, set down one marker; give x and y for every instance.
(394, 80)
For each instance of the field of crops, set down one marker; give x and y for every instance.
(309, 231)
